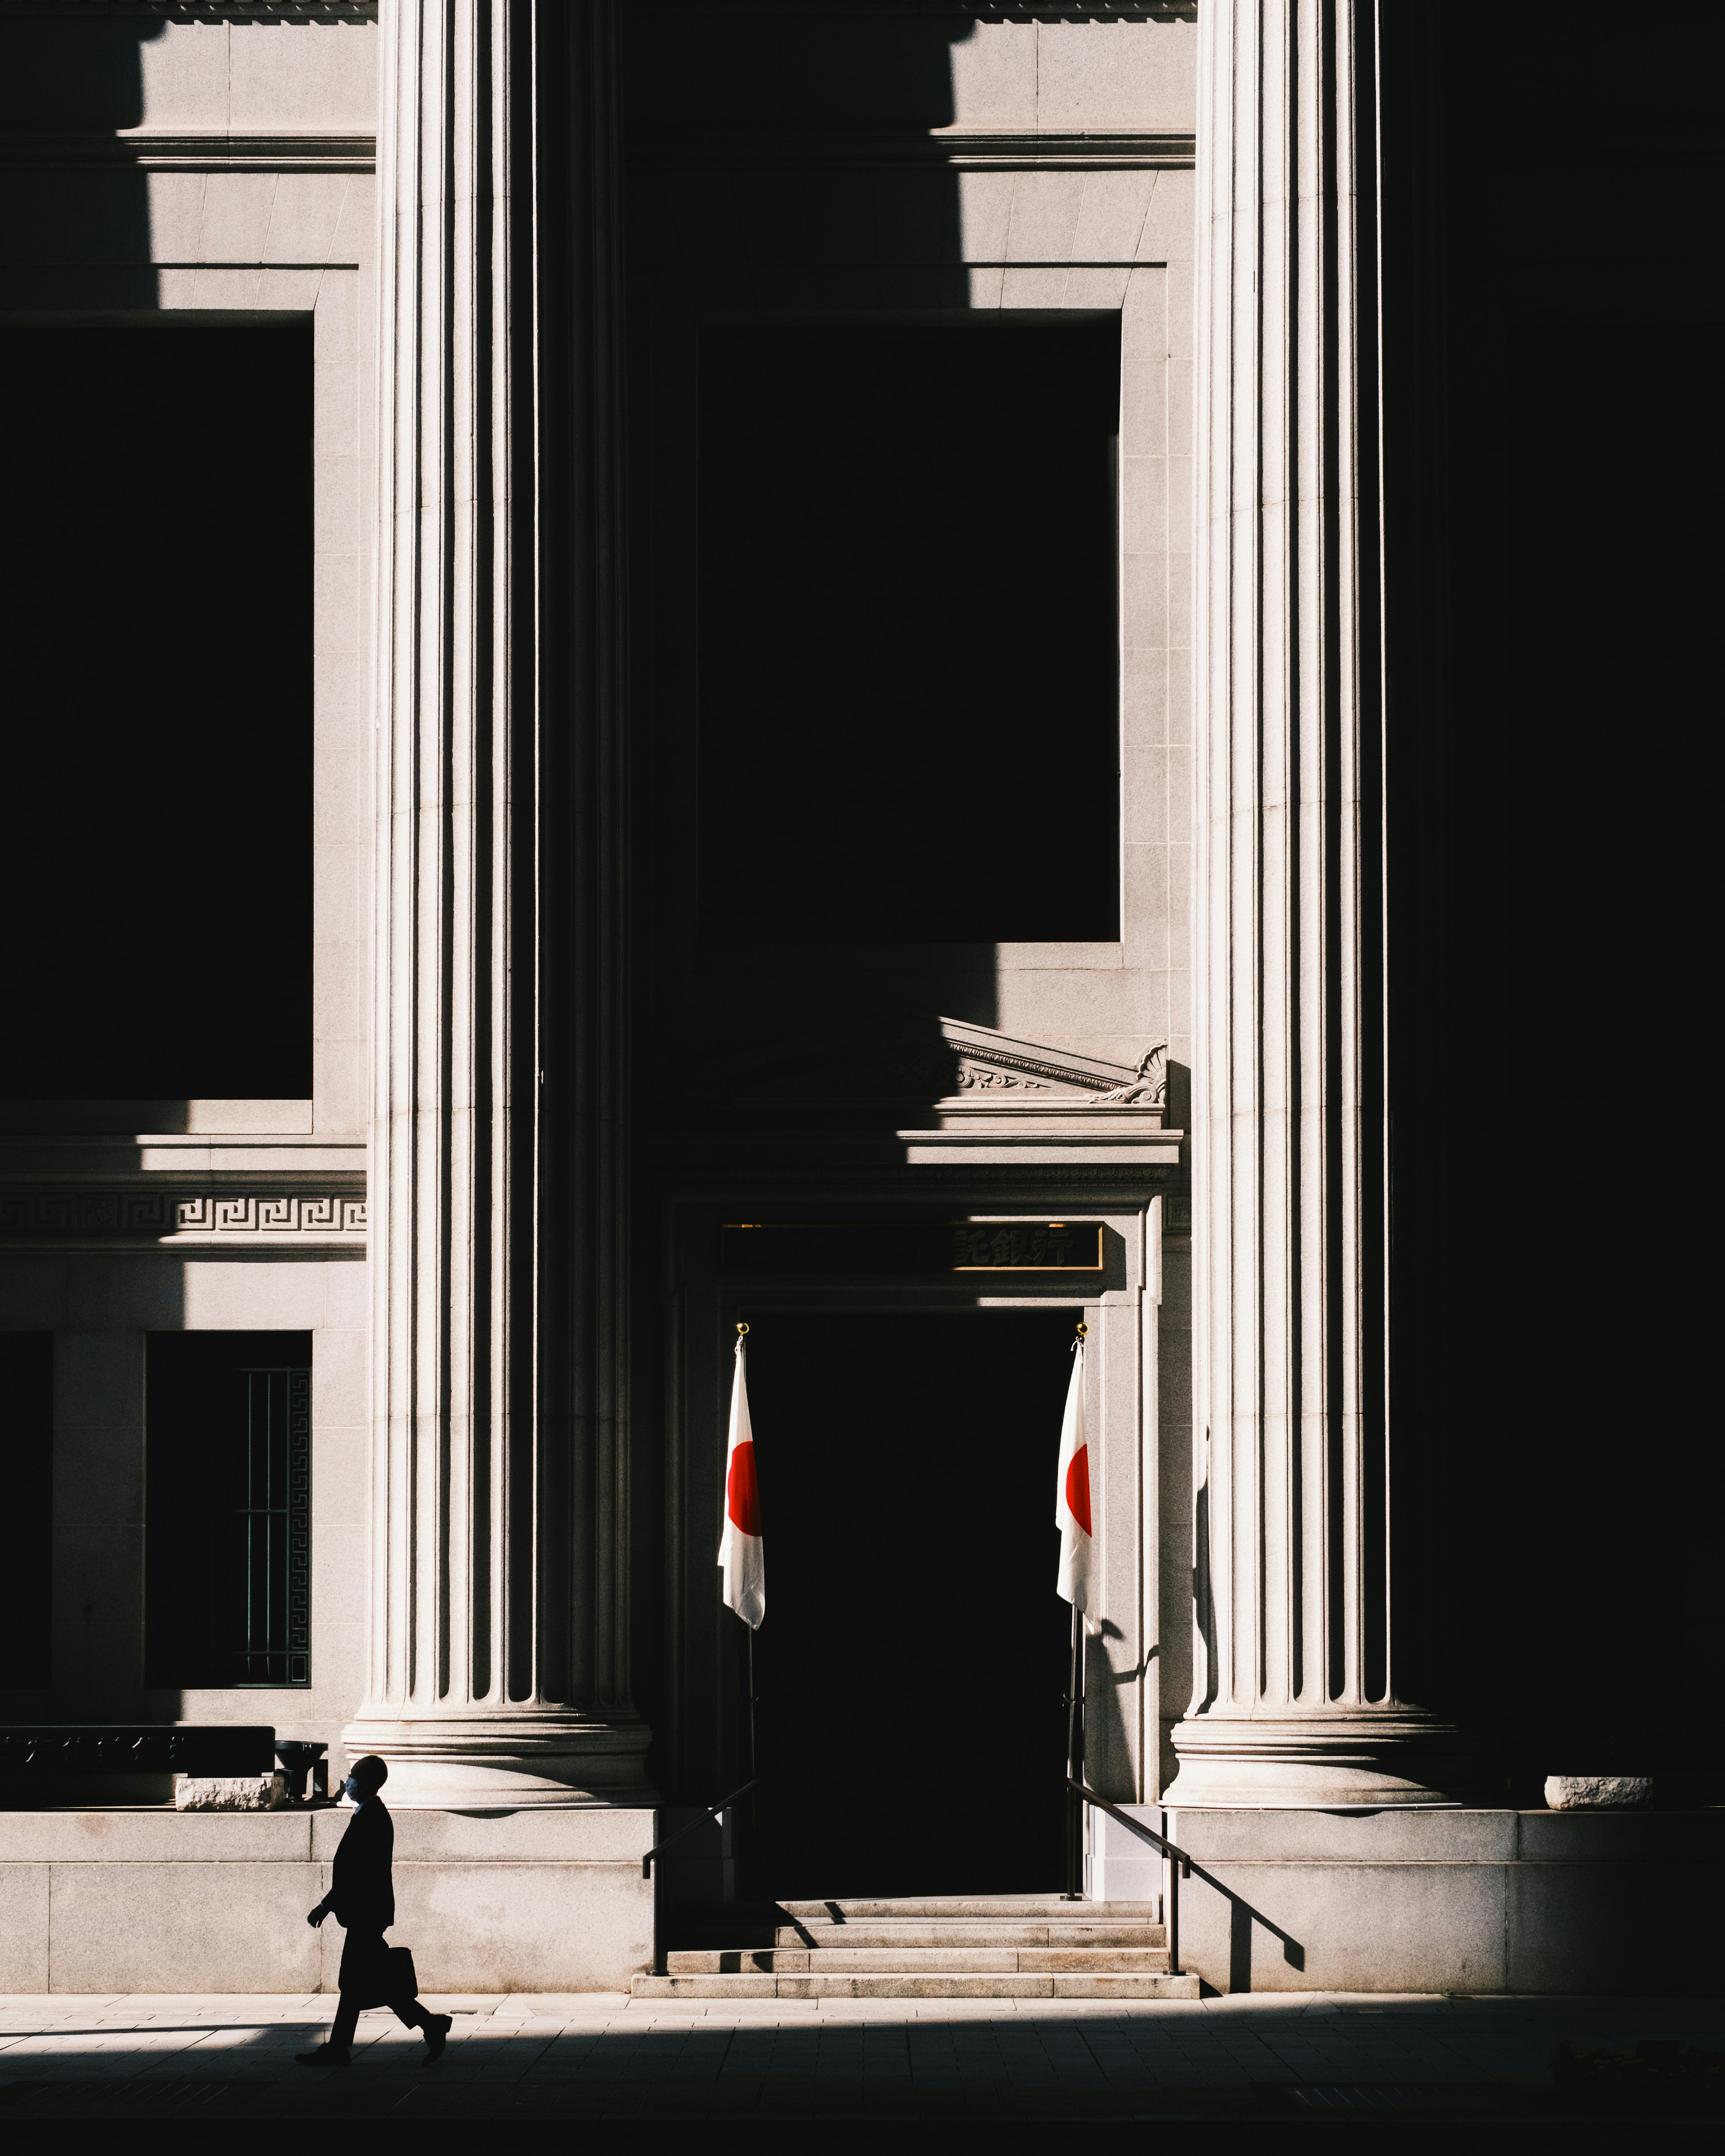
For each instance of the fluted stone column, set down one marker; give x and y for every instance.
(498, 1662)
(1295, 1700)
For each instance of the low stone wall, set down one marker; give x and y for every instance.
(148, 1900)
(1478, 1901)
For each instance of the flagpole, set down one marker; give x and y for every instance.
(1074, 1727)
(752, 1864)
(749, 1630)
(1074, 1891)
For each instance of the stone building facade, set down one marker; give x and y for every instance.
(870, 711)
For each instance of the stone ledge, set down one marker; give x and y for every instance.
(562, 1833)
(170, 1901)
(1444, 1835)
(1452, 1901)
(148, 1836)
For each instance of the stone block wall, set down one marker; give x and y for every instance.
(1452, 1901)
(163, 1902)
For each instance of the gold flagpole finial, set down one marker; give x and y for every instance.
(742, 1329)
(1083, 1330)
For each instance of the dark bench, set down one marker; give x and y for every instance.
(210, 1750)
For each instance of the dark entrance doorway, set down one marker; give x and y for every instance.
(912, 1663)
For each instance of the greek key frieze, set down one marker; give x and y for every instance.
(167, 1216)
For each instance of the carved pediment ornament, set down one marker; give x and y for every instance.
(981, 1078)
(953, 1062)
(1146, 1088)
(990, 1062)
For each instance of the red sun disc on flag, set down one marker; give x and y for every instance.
(1077, 1486)
(743, 1496)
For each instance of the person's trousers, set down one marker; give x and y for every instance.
(361, 1954)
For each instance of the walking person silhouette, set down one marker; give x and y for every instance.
(362, 1899)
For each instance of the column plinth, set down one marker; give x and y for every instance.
(498, 1647)
(1354, 1755)
(1295, 1700)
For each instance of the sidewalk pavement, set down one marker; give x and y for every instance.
(538, 2056)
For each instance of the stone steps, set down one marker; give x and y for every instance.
(918, 1961)
(902, 1984)
(1015, 1946)
(968, 1934)
(1026, 1908)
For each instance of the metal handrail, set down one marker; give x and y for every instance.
(702, 1818)
(711, 1812)
(1136, 1826)
(1179, 1864)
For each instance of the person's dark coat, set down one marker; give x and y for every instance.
(361, 1889)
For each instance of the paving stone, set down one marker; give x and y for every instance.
(1059, 2050)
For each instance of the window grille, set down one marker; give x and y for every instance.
(228, 1510)
(276, 1516)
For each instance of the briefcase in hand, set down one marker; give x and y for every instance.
(391, 1981)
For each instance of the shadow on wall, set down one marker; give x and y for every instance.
(74, 1404)
(1555, 1314)
(156, 609)
(74, 237)
(852, 486)
(1241, 1917)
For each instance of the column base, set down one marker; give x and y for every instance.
(1357, 1758)
(480, 1761)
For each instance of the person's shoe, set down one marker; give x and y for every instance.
(436, 2034)
(326, 2055)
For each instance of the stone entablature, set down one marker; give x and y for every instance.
(1025, 147)
(205, 11)
(196, 150)
(29, 1217)
(235, 1192)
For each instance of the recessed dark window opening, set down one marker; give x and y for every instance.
(155, 613)
(27, 1447)
(227, 1509)
(908, 676)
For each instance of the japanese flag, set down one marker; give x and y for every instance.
(739, 1557)
(1072, 1493)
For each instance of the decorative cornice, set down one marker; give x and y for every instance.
(149, 150)
(960, 149)
(224, 1162)
(1064, 11)
(178, 1218)
(1031, 1136)
(985, 10)
(203, 11)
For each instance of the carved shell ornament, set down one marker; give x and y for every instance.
(1147, 1089)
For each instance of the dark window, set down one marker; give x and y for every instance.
(155, 733)
(227, 1498)
(27, 1475)
(908, 691)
